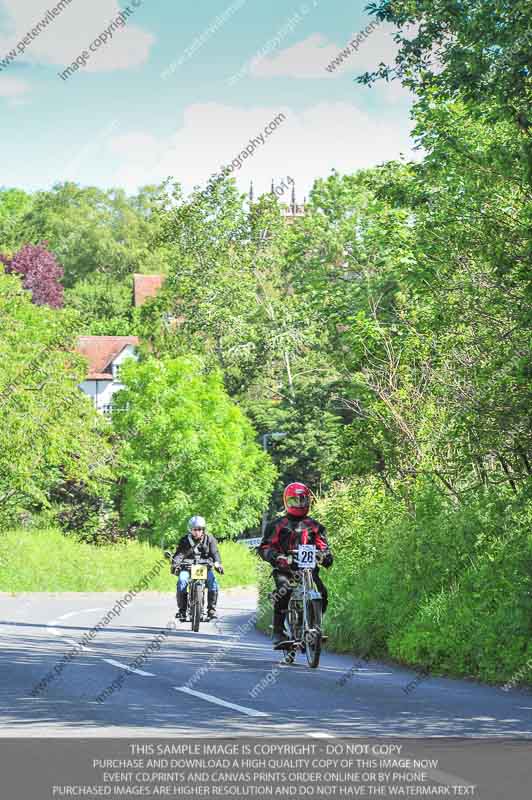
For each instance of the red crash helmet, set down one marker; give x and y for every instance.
(296, 498)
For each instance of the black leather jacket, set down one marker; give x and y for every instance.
(207, 547)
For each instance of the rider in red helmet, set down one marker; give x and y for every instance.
(296, 499)
(283, 534)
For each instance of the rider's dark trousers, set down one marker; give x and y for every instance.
(283, 590)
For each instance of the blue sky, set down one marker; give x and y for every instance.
(180, 89)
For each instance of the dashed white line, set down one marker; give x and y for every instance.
(78, 644)
(51, 625)
(251, 712)
(81, 611)
(129, 669)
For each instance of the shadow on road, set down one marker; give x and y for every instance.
(298, 699)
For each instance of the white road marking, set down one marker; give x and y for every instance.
(363, 673)
(129, 669)
(321, 735)
(52, 629)
(251, 712)
(77, 644)
(81, 611)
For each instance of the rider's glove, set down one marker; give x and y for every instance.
(327, 560)
(281, 562)
(176, 565)
(218, 567)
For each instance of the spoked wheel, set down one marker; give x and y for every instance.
(313, 635)
(287, 629)
(292, 623)
(196, 606)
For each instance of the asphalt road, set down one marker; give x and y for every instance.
(343, 697)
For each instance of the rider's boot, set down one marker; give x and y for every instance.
(181, 606)
(212, 599)
(279, 635)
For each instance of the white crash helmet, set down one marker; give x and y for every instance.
(197, 522)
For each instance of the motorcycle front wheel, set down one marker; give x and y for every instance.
(293, 620)
(313, 633)
(196, 606)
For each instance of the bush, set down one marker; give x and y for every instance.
(442, 587)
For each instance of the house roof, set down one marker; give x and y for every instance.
(145, 286)
(100, 351)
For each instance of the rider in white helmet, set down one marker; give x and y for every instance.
(196, 542)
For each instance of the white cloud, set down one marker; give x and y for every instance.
(134, 146)
(72, 31)
(309, 58)
(12, 87)
(307, 145)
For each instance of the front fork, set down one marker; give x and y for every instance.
(192, 584)
(306, 591)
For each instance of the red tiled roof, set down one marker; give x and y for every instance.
(145, 286)
(100, 351)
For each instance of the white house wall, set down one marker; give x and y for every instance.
(129, 351)
(101, 391)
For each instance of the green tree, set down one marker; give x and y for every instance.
(94, 231)
(477, 52)
(14, 204)
(186, 448)
(231, 290)
(51, 435)
(104, 304)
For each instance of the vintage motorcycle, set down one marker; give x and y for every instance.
(196, 588)
(303, 620)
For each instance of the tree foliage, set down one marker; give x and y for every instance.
(228, 297)
(387, 333)
(40, 273)
(94, 231)
(186, 449)
(104, 304)
(479, 50)
(14, 204)
(51, 435)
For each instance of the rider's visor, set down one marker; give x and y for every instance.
(297, 501)
(197, 529)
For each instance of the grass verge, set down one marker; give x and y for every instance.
(49, 561)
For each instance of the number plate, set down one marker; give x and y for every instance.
(198, 572)
(306, 555)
